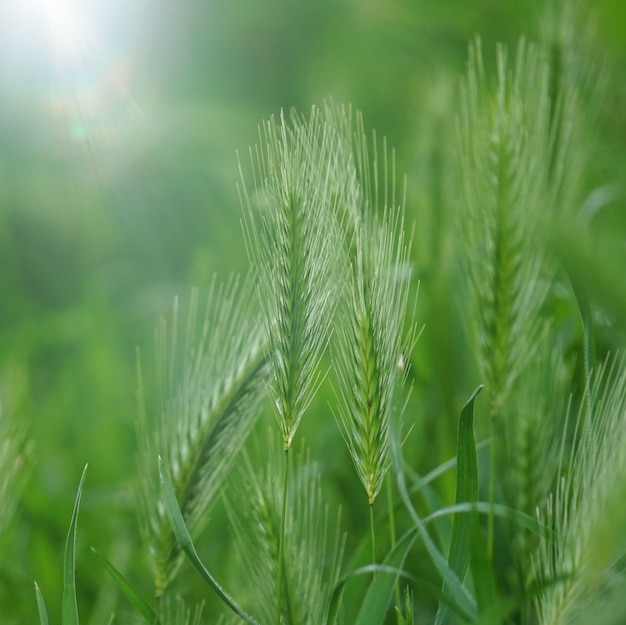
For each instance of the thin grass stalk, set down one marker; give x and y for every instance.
(392, 536)
(311, 554)
(281, 539)
(372, 534)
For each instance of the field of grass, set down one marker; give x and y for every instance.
(329, 297)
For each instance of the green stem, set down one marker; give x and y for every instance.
(281, 543)
(492, 485)
(392, 534)
(373, 533)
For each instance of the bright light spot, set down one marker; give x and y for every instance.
(71, 66)
(68, 31)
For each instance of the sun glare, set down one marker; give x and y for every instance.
(67, 29)
(71, 65)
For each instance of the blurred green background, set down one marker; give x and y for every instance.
(119, 126)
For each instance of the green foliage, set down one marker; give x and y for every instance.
(511, 222)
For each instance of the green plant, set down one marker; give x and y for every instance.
(323, 326)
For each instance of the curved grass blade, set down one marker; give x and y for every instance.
(380, 591)
(69, 608)
(136, 600)
(41, 606)
(377, 597)
(466, 491)
(460, 595)
(392, 562)
(521, 519)
(183, 538)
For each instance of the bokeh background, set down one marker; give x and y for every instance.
(120, 124)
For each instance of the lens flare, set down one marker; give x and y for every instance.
(69, 69)
(67, 29)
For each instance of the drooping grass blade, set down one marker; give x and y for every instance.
(381, 589)
(183, 539)
(136, 600)
(461, 598)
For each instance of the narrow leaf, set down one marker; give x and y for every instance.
(466, 490)
(183, 539)
(517, 517)
(69, 610)
(41, 606)
(460, 595)
(485, 586)
(137, 601)
(380, 591)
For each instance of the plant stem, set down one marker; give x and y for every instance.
(281, 542)
(492, 485)
(373, 534)
(392, 534)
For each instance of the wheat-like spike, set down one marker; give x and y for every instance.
(534, 417)
(211, 391)
(292, 240)
(588, 510)
(505, 147)
(369, 347)
(15, 449)
(370, 327)
(312, 556)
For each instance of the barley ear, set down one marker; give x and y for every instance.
(587, 511)
(370, 327)
(505, 150)
(528, 452)
(15, 450)
(211, 386)
(292, 237)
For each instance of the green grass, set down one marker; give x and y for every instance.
(314, 442)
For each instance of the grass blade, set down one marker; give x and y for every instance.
(466, 490)
(137, 601)
(335, 601)
(466, 487)
(41, 606)
(69, 610)
(183, 538)
(461, 597)
(521, 519)
(381, 589)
